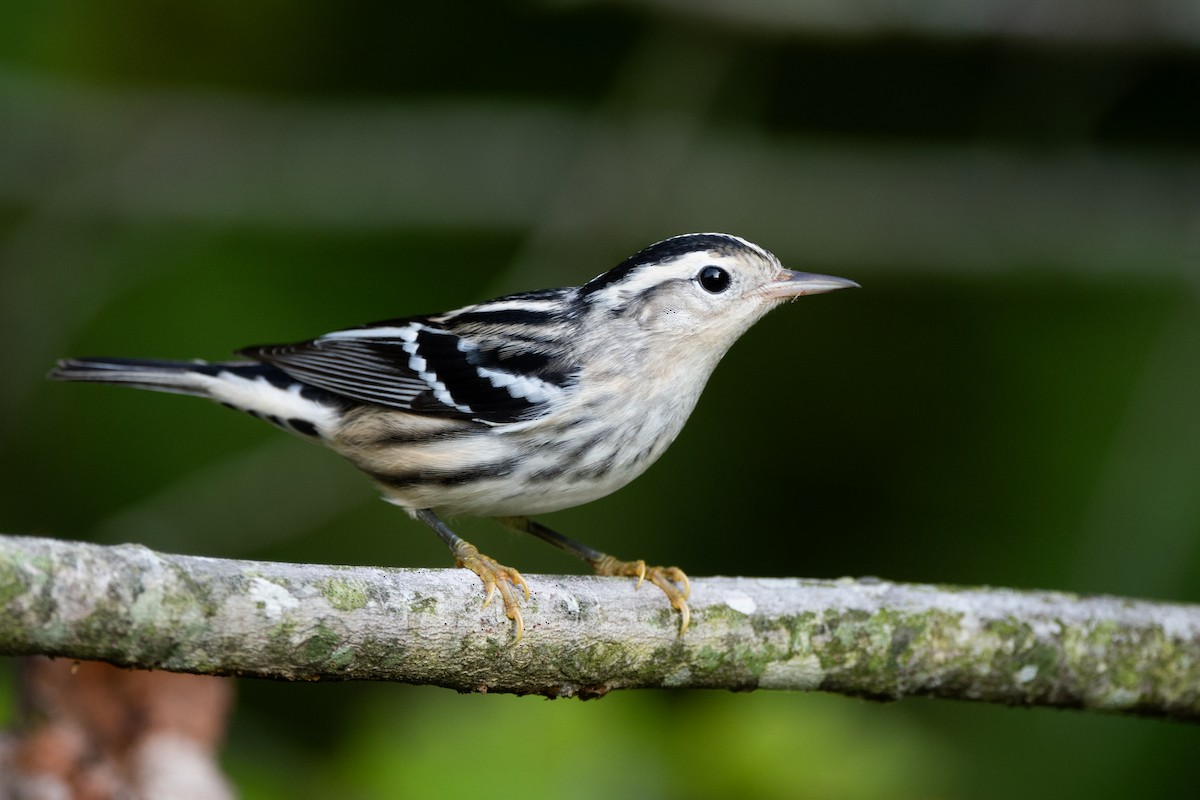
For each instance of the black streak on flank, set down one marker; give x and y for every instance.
(659, 252)
(406, 480)
(581, 450)
(594, 472)
(401, 436)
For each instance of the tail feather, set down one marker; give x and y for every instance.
(178, 377)
(258, 389)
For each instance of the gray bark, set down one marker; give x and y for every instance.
(585, 636)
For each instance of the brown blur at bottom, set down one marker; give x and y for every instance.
(92, 731)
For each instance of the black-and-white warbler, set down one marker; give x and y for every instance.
(522, 405)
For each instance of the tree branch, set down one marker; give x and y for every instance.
(585, 636)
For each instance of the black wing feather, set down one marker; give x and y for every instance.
(418, 365)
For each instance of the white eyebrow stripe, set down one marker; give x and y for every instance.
(649, 276)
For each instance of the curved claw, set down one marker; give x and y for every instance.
(664, 578)
(675, 575)
(496, 578)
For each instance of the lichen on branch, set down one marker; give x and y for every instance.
(585, 636)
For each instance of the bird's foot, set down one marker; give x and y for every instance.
(496, 578)
(672, 580)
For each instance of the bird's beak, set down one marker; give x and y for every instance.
(790, 283)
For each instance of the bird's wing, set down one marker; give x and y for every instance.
(430, 366)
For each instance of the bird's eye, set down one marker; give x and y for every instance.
(713, 279)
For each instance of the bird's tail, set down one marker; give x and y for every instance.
(178, 377)
(260, 390)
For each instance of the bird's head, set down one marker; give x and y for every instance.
(707, 286)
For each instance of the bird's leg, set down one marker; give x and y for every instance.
(672, 580)
(495, 576)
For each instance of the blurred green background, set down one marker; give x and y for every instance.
(1011, 399)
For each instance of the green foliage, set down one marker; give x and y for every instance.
(420, 742)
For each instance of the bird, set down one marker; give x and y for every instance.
(514, 407)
